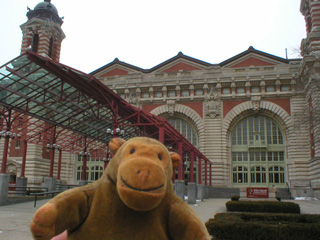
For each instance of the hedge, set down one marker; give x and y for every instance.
(263, 226)
(263, 206)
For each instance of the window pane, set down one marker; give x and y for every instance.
(185, 93)
(270, 89)
(172, 93)
(158, 94)
(186, 129)
(285, 88)
(199, 92)
(240, 90)
(145, 95)
(245, 156)
(255, 89)
(226, 90)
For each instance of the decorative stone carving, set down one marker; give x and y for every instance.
(315, 71)
(171, 107)
(304, 48)
(213, 103)
(134, 99)
(127, 93)
(205, 89)
(256, 103)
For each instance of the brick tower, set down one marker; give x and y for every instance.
(42, 32)
(310, 79)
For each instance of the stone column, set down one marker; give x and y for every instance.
(179, 188)
(179, 183)
(200, 192)
(192, 193)
(4, 186)
(21, 184)
(192, 186)
(50, 183)
(206, 192)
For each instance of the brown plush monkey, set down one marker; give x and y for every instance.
(134, 200)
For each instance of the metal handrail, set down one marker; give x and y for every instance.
(26, 190)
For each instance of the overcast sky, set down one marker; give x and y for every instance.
(145, 33)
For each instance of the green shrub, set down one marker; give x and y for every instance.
(263, 206)
(235, 198)
(262, 226)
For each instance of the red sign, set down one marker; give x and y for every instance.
(257, 193)
(12, 185)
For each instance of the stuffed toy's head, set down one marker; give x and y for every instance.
(142, 170)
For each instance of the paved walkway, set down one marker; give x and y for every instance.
(15, 219)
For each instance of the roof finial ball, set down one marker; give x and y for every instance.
(49, 1)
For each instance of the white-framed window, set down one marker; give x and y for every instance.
(96, 172)
(240, 90)
(171, 93)
(158, 94)
(270, 89)
(255, 89)
(226, 90)
(258, 174)
(185, 93)
(285, 88)
(240, 174)
(145, 95)
(198, 92)
(79, 173)
(276, 174)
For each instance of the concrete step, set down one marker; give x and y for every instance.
(223, 192)
(284, 193)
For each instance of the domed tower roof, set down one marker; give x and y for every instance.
(46, 11)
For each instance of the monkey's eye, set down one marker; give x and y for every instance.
(159, 156)
(132, 151)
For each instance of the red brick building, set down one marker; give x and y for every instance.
(254, 115)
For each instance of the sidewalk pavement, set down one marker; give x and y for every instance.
(15, 219)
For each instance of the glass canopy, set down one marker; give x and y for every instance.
(69, 105)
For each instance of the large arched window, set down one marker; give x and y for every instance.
(186, 129)
(257, 145)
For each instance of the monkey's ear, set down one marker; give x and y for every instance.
(115, 144)
(176, 159)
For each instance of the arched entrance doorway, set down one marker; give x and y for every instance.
(258, 153)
